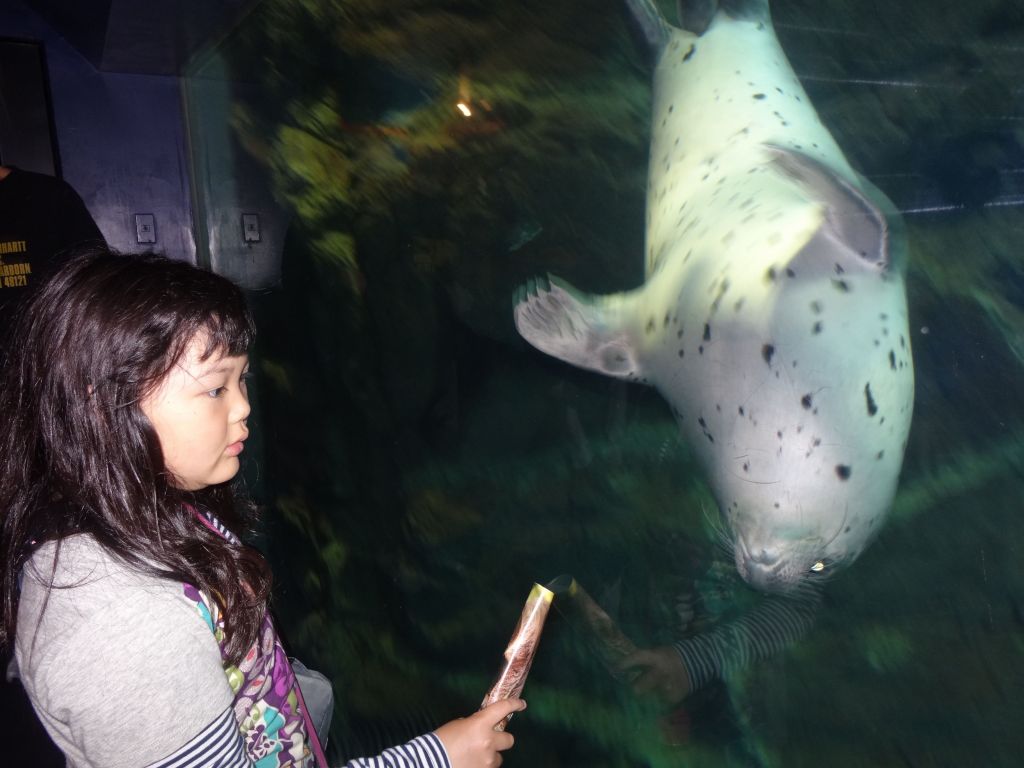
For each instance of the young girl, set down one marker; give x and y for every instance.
(139, 621)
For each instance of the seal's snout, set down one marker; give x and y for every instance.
(765, 569)
(765, 559)
(774, 578)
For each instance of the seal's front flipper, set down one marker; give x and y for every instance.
(859, 220)
(587, 331)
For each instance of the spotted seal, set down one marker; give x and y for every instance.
(773, 315)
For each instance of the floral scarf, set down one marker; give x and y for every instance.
(268, 703)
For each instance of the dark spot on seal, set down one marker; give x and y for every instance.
(839, 269)
(816, 307)
(668, 317)
(707, 332)
(759, 96)
(770, 275)
(843, 471)
(681, 353)
(700, 350)
(846, 529)
(742, 412)
(841, 285)
(879, 455)
(679, 333)
(806, 401)
(689, 54)
(872, 408)
(650, 326)
(903, 342)
(790, 272)
(892, 359)
(703, 424)
(767, 351)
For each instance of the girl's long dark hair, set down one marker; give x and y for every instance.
(77, 455)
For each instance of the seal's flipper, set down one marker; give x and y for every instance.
(651, 23)
(587, 331)
(696, 15)
(861, 221)
(746, 10)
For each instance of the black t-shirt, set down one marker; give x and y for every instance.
(41, 217)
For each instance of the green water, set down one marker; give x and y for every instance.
(420, 466)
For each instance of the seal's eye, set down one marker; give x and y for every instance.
(818, 567)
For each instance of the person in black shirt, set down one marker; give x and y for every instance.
(40, 218)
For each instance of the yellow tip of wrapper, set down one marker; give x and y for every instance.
(541, 592)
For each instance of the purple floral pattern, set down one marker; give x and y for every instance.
(266, 704)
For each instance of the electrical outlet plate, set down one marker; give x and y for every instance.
(251, 227)
(145, 228)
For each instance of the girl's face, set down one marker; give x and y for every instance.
(198, 411)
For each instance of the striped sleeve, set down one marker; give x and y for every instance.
(774, 624)
(218, 745)
(422, 752)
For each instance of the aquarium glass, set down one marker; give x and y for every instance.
(390, 179)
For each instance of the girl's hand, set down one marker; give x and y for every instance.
(658, 672)
(472, 742)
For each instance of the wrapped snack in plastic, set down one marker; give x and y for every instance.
(608, 640)
(521, 650)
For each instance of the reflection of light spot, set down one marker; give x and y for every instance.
(463, 107)
(818, 567)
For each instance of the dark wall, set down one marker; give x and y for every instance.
(121, 140)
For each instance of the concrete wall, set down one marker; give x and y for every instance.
(125, 142)
(121, 140)
(229, 183)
